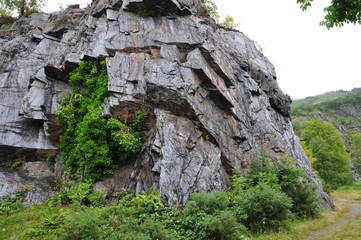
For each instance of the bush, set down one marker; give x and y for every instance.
(78, 194)
(208, 202)
(187, 224)
(215, 220)
(144, 204)
(297, 186)
(266, 208)
(283, 175)
(86, 224)
(92, 144)
(11, 204)
(223, 225)
(156, 231)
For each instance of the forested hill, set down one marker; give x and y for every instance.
(325, 100)
(343, 108)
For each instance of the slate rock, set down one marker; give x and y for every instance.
(213, 97)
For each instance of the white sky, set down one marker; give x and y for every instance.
(309, 59)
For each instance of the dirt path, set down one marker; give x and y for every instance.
(331, 232)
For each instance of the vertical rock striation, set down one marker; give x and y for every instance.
(213, 96)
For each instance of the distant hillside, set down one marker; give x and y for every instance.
(343, 109)
(314, 100)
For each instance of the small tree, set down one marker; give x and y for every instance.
(212, 9)
(327, 146)
(227, 22)
(20, 7)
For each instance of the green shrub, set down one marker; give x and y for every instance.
(90, 224)
(11, 204)
(240, 182)
(264, 162)
(12, 165)
(266, 208)
(50, 159)
(186, 224)
(298, 186)
(92, 144)
(283, 175)
(144, 204)
(156, 231)
(223, 225)
(207, 216)
(78, 194)
(50, 227)
(208, 202)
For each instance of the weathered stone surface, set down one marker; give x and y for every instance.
(213, 97)
(35, 178)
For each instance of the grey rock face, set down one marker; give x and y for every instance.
(213, 96)
(36, 178)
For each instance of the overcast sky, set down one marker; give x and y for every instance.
(309, 59)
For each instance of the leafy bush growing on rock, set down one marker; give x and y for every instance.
(77, 195)
(93, 144)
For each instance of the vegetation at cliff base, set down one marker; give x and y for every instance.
(145, 217)
(11, 204)
(92, 144)
(266, 198)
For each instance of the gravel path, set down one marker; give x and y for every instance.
(341, 224)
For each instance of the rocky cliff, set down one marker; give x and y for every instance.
(213, 96)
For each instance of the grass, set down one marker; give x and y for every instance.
(16, 226)
(351, 192)
(301, 229)
(350, 232)
(356, 186)
(347, 194)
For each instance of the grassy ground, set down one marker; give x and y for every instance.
(17, 226)
(344, 223)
